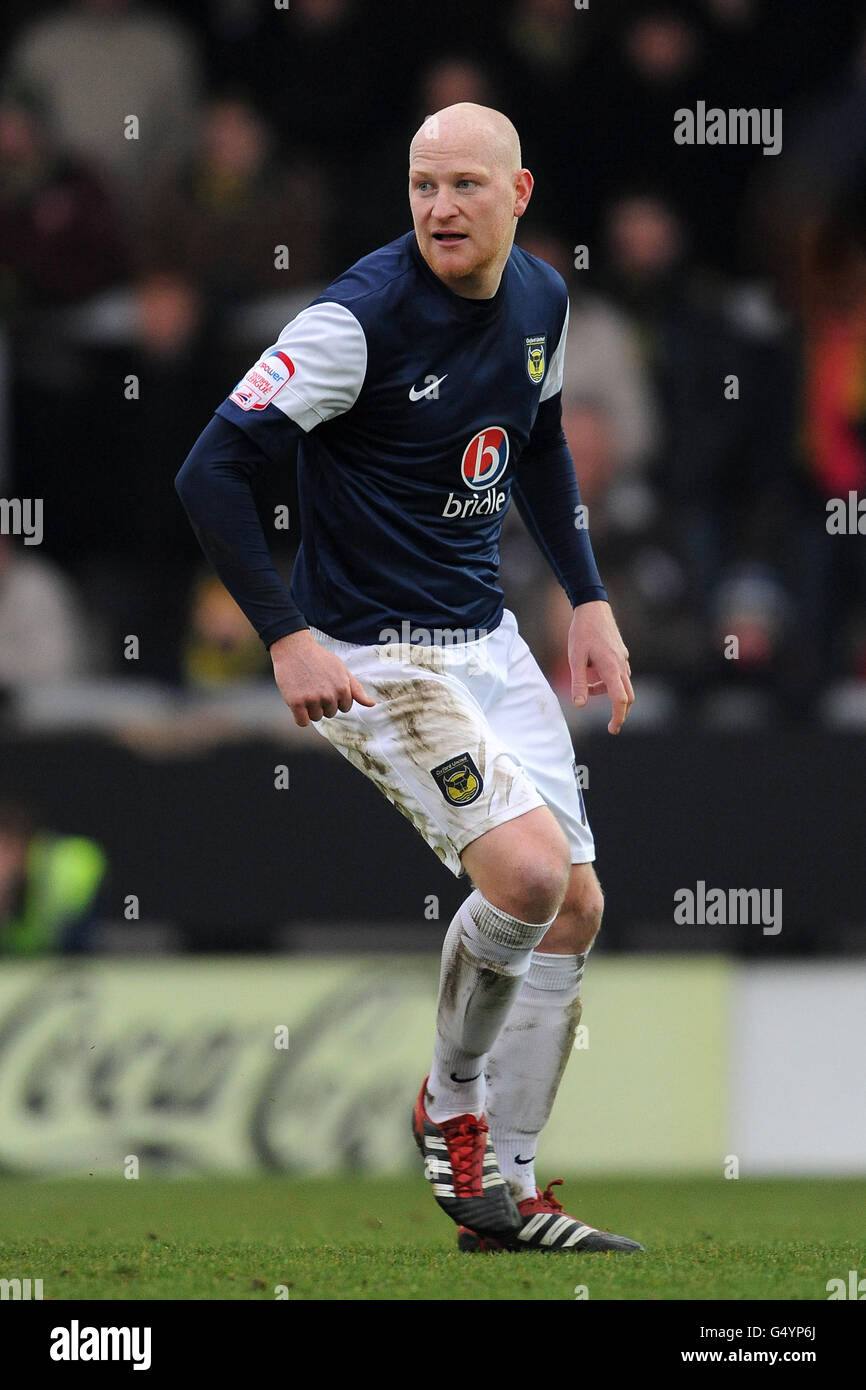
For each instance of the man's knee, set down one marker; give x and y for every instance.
(524, 871)
(579, 918)
(588, 909)
(539, 883)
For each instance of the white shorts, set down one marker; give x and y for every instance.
(463, 737)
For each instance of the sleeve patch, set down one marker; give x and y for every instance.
(263, 381)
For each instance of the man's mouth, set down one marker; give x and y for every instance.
(449, 238)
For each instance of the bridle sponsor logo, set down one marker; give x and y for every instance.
(484, 462)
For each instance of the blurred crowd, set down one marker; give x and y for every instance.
(176, 181)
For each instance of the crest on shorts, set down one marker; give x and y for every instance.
(536, 357)
(459, 780)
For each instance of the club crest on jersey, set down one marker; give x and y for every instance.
(536, 357)
(459, 780)
(263, 381)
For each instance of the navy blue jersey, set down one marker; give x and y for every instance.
(418, 413)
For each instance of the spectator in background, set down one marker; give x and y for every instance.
(43, 635)
(103, 459)
(100, 62)
(49, 886)
(128, 543)
(769, 52)
(329, 85)
(833, 572)
(661, 57)
(610, 418)
(723, 470)
(541, 46)
(60, 238)
(217, 221)
(822, 161)
(543, 60)
(603, 359)
(221, 647)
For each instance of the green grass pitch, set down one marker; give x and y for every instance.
(356, 1238)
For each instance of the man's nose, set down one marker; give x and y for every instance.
(444, 204)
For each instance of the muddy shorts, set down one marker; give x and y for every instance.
(464, 736)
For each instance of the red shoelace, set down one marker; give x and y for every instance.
(548, 1197)
(543, 1201)
(467, 1142)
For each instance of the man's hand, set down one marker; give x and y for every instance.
(313, 681)
(599, 661)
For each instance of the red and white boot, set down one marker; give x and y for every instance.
(545, 1226)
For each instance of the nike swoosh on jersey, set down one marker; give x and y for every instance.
(416, 395)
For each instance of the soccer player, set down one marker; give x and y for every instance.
(424, 389)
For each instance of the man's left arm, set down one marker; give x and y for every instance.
(547, 496)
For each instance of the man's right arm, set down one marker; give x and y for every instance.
(313, 373)
(282, 397)
(214, 486)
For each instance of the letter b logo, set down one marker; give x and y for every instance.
(485, 458)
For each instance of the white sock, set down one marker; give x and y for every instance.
(485, 956)
(526, 1064)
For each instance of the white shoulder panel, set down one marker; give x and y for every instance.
(313, 372)
(553, 382)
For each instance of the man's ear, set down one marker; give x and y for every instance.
(523, 185)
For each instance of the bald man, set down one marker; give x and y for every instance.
(423, 389)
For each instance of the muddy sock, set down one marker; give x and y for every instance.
(527, 1061)
(485, 956)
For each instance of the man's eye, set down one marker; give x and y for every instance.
(469, 183)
